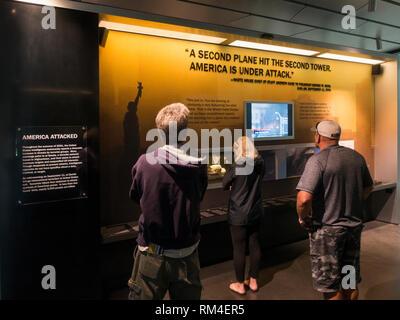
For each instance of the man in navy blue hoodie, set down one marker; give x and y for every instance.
(169, 186)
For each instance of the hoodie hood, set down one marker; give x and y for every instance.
(176, 160)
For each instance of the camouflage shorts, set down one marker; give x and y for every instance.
(331, 248)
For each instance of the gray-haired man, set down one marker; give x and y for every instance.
(334, 185)
(168, 185)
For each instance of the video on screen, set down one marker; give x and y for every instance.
(269, 120)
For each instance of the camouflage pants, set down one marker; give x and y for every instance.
(154, 275)
(331, 248)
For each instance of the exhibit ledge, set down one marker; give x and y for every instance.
(129, 230)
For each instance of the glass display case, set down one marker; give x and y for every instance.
(281, 161)
(218, 164)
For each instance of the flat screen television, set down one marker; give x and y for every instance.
(269, 120)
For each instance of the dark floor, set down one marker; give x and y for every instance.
(285, 270)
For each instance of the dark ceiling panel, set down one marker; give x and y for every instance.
(377, 30)
(320, 18)
(274, 16)
(336, 4)
(385, 12)
(176, 9)
(344, 40)
(269, 8)
(269, 26)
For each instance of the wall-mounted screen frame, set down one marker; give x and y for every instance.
(269, 120)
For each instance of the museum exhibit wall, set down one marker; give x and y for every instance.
(386, 137)
(169, 70)
(49, 81)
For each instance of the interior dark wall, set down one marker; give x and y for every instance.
(48, 78)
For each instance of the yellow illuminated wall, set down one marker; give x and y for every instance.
(162, 66)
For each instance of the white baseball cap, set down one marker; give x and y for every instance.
(328, 128)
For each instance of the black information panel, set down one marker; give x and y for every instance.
(52, 164)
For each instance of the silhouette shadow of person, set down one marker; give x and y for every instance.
(123, 209)
(131, 128)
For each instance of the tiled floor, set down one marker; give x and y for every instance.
(285, 270)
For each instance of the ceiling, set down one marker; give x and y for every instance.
(312, 20)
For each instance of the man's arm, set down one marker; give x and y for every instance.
(367, 191)
(203, 181)
(303, 206)
(308, 184)
(135, 191)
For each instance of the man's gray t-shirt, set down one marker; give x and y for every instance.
(336, 177)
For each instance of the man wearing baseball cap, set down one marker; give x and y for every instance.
(332, 190)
